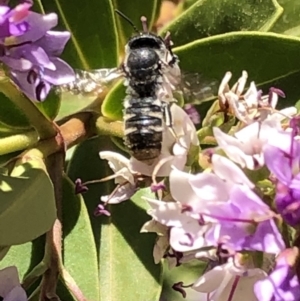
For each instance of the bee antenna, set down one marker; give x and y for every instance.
(127, 19)
(144, 24)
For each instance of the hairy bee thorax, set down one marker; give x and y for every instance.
(151, 71)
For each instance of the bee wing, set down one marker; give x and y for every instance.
(196, 89)
(91, 82)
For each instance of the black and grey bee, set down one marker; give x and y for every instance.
(151, 74)
(151, 71)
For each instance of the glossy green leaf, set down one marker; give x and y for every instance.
(134, 11)
(78, 244)
(290, 85)
(289, 21)
(112, 106)
(25, 257)
(51, 105)
(27, 207)
(267, 57)
(73, 103)
(11, 116)
(123, 251)
(211, 17)
(94, 41)
(188, 3)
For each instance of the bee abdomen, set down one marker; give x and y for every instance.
(143, 128)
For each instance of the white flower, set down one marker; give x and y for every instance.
(251, 106)
(174, 149)
(10, 287)
(162, 241)
(229, 280)
(123, 175)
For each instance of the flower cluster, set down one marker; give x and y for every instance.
(30, 50)
(219, 215)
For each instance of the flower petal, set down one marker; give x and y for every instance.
(223, 167)
(181, 188)
(167, 213)
(9, 279)
(38, 25)
(278, 163)
(54, 42)
(16, 294)
(62, 74)
(122, 193)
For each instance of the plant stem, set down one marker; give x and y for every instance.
(72, 286)
(53, 248)
(18, 142)
(44, 126)
(75, 129)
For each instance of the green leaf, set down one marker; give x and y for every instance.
(134, 11)
(267, 57)
(78, 244)
(27, 207)
(123, 251)
(51, 105)
(187, 273)
(11, 116)
(73, 103)
(94, 42)
(25, 257)
(289, 21)
(188, 3)
(112, 106)
(211, 17)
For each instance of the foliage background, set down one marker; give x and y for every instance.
(107, 256)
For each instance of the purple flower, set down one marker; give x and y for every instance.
(30, 50)
(10, 287)
(246, 223)
(210, 208)
(100, 210)
(284, 164)
(12, 21)
(282, 284)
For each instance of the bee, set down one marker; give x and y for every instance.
(151, 74)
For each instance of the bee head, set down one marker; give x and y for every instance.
(146, 40)
(143, 39)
